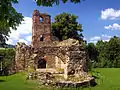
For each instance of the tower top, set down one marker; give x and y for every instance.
(41, 28)
(37, 13)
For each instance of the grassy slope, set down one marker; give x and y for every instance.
(17, 82)
(109, 80)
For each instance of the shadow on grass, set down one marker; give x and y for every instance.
(93, 84)
(2, 81)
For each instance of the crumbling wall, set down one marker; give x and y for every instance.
(77, 62)
(69, 56)
(27, 56)
(23, 56)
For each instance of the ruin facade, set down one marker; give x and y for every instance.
(44, 52)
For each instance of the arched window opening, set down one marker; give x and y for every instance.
(41, 38)
(41, 19)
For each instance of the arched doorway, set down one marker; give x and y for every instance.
(41, 63)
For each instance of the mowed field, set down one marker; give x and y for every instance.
(106, 78)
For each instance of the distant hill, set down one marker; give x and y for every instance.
(8, 46)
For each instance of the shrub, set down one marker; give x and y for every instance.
(7, 61)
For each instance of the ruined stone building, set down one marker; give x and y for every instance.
(44, 52)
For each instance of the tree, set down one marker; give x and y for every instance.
(66, 26)
(92, 51)
(93, 54)
(113, 51)
(103, 55)
(9, 18)
(109, 53)
(52, 2)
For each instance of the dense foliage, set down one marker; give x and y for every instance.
(7, 60)
(52, 2)
(105, 54)
(65, 26)
(9, 18)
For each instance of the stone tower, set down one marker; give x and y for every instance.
(41, 28)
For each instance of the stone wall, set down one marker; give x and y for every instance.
(23, 56)
(27, 56)
(77, 62)
(69, 56)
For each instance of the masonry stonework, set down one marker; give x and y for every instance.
(41, 28)
(45, 53)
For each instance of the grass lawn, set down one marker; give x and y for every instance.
(108, 79)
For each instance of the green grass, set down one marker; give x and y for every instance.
(17, 82)
(108, 79)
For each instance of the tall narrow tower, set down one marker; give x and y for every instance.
(41, 28)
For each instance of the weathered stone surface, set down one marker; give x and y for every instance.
(41, 28)
(45, 53)
(68, 42)
(45, 78)
(23, 57)
(29, 56)
(88, 82)
(32, 76)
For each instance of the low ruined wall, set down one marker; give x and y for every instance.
(26, 56)
(23, 56)
(69, 56)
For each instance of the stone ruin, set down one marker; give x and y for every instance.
(47, 54)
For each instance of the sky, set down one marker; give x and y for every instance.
(99, 18)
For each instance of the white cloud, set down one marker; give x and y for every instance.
(14, 35)
(84, 38)
(23, 31)
(9, 41)
(23, 40)
(95, 38)
(93, 41)
(106, 37)
(110, 14)
(106, 40)
(103, 37)
(29, 38)
(115, 26)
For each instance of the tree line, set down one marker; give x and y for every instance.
(104, 54)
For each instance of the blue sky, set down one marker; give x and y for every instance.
(100, 18)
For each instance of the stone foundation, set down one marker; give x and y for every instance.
(88, 82)
(47, 78)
